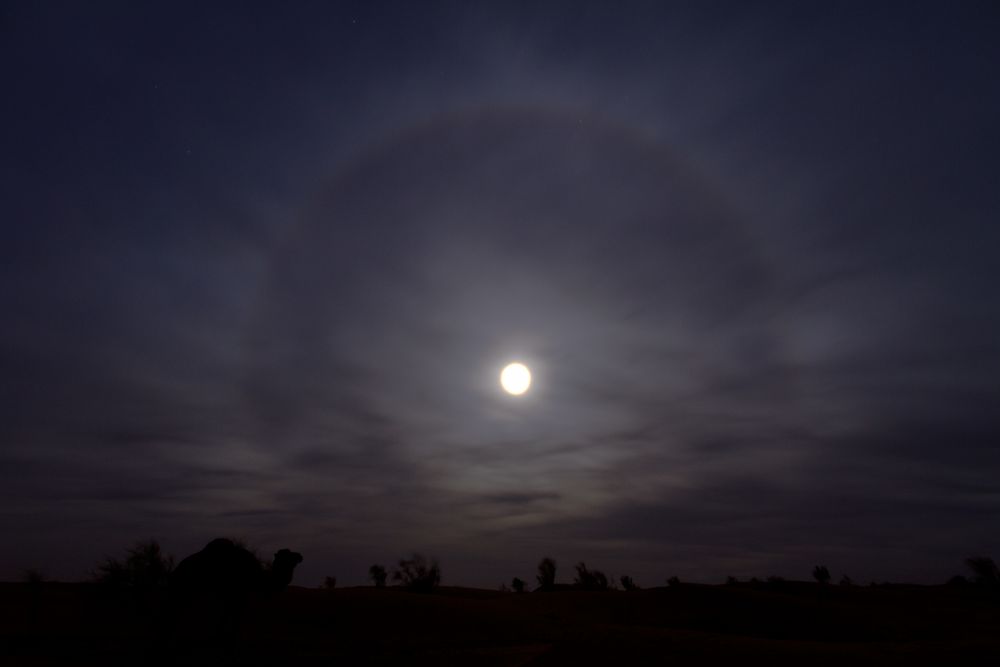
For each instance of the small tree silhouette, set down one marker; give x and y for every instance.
(821, 574)
(547, 574)
(590, 580)
(112, 574)
(984, 569)
(628, 584)
(35, 579)
(145, 567)
(378, 575)
(417, 574)
(33, 576)
(517, 585)
(143, 576)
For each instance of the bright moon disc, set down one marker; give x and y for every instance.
(515, 379)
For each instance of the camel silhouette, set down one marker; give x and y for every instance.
(228, 570)
(212, 591)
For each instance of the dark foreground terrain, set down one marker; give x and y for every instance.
(787, 624)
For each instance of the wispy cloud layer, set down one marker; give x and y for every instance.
(268, 292)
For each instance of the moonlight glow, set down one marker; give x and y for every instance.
(515, 379)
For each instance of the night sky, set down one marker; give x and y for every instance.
(260, 268)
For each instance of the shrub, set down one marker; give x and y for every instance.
(628, 584)
(417, 574)
(517, 585)
(112, 574)
(546, 574)
(590, 580)
(33, 577)
(145, 567)
(821, 574)
(985, 570)
(378, 575)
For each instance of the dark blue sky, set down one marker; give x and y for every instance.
(261, 265)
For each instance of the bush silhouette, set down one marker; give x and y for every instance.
(329, 583)
(590, 580)
(517, 585)
(628, 584)
(821, 574)
(985, 571)
(145, 568)
(33, 576)
(417, 574)
(546, 574)
(378, 575)
(142, 577)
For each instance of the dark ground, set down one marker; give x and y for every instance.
(789, 623)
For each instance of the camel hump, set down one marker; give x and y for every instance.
(219, 545)
(221, 566)
(287, 557)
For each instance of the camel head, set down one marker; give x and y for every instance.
(283, 566)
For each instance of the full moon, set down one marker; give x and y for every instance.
(515, 379)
